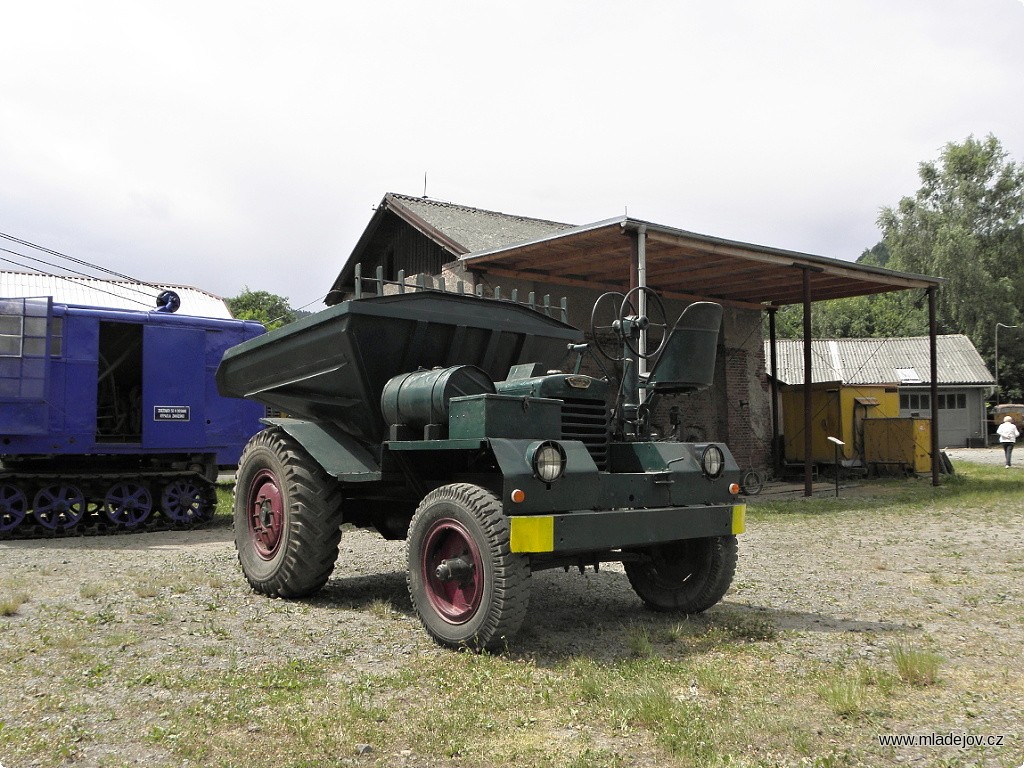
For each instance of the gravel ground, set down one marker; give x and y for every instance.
(838, 589)
(991, 455)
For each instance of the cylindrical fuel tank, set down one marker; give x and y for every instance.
(421, 397)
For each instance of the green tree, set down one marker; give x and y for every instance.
(267, 308)
(882, 315)
(966, 224)
(879, 315)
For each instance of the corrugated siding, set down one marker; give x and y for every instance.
(875, 361)
(109, 294)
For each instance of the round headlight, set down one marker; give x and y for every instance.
(548, 461)
(712, 461)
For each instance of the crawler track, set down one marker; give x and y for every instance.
(43, 505)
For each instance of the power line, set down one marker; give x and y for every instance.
(72, 259)
(67, 269)
(73, 280)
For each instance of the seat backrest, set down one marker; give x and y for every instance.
(687, 363)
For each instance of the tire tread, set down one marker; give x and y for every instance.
(315, 515)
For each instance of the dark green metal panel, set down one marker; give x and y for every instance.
(332, 366)
(466, 444)
(561, 387)
(505, 416)
(577, 488)
(639, 527)
(334, 450)
(670, 470)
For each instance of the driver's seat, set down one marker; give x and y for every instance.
(687, 363)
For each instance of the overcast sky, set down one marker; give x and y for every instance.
(233, 144)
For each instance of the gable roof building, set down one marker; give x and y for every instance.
(421, 235)
(964, 380)
(902, 361)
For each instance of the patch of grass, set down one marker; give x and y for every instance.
(974, 486)
(845, 695)
(146, 588)
(225, 509)
(382, 609)
(882, 680)
(638, 640)
(11, 604)
(915, 666)
(92, 589)
(717, 679)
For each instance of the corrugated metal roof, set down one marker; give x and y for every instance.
(110, 294)
(476, 229)
(882, 361)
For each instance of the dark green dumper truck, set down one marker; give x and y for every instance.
(439, 418)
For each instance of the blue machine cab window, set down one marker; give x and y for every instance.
(10, 334)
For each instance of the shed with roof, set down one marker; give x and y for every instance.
(903, 364)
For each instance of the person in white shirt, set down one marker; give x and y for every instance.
(1008, 434)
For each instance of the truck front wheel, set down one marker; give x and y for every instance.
(287, 516)
(689, 576)
(467, 587)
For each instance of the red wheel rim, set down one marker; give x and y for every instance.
(265, 514)
(455, 600)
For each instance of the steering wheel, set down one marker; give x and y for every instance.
(652, 319)
(604, 320)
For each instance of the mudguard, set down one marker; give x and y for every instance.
(341, 456)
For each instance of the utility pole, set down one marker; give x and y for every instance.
(998, 326)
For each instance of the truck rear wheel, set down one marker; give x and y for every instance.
(689, 576)
(466, 585)
(287, 516)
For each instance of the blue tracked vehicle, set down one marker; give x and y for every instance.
(437, 418)
(110, 419)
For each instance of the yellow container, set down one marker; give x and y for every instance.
(838, 411)
(898, 443)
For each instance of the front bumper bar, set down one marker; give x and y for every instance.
(587, 530)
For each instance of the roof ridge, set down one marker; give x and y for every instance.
(460, 206)
(874, 339)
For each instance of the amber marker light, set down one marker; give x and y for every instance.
(519, 496)
(734, 488)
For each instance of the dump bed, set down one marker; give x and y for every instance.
(332, 366)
